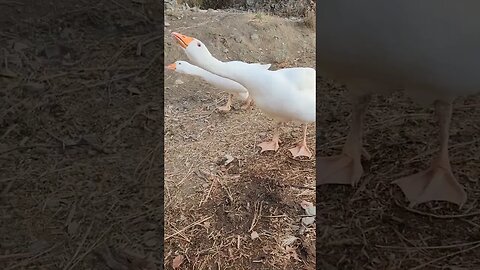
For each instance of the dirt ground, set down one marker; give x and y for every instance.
(371, 226)
(81, 139)
(80, 134)
(212, 209)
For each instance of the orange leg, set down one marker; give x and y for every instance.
(302, 148)
(273, 144)
(248, 103)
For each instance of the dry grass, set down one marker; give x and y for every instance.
(206, 4)
(310, 19)
(80, 133)
(284, 8)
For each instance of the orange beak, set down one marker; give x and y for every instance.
(182, 39)
(172, 66)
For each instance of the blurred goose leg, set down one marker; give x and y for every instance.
(438, 182)
(273, 144)
(346, 168)
(226, 107)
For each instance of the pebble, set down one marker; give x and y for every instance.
(178, 81)
(238, 39)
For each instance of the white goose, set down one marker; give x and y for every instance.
(225, 108)
(285, 94)
(428, 48)
(230, 86)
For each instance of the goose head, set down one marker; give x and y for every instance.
(196, 51)
(181, 67)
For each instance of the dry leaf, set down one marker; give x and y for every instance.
(229, 159)
(177, 261)
(307, 205)
(310, 210)
(308, 220)
(254, 235)
(289, 240)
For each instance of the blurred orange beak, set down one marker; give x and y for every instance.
(182, 40)
(172, 66)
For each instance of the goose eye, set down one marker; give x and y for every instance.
(199, 45)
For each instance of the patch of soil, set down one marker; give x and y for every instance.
(80, 133)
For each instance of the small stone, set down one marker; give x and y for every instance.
(178, 81)
(167, 24)
(238, 39)
(133, 90)
(254, 37)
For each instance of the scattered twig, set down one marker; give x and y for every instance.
(87, 233)
(431, 247)
(92, 247)
(28, 147)
(125, 124)
(256, 215)
(102, 83)
(437, 216)
(187, 227)
(143, 43)
(30, 260)
(14, 256)
(444, 257)
(11, 3)
(189, 172)
(208, 193)
(131, 11)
